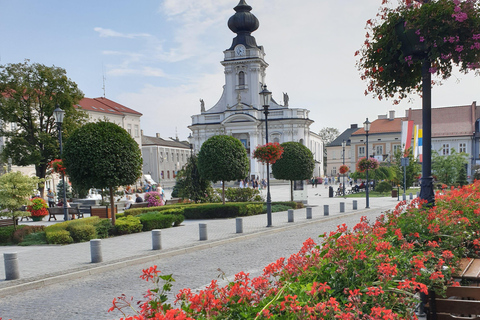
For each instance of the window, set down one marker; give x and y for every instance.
(334, 171)
(241, 78)
(166, 156)
(333, 155)
(397, 148)
(462, 147)
(178, 157)
(137, 131)
(129, 129)
(168, 174)
(378, 150)
(361, 151)
(446, 149)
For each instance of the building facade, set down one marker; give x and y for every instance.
(239, 111)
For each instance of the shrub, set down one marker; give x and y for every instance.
(6, 234)
(59, 237)
(82, 232)
(383, 186)
(128, 225)
(139, 211)
(218, 211)
(104, 228)
(153, 198)
(156, 220)
(277, 208)
(241, 194)
(20, 233)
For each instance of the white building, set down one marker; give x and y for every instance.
(239, 112)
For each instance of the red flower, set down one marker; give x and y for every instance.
(268, 153)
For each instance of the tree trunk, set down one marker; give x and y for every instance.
(223, 191)
(112, 205)
(40, 171)
(291, 190)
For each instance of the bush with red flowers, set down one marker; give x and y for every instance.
(344, 169)
(268, 153)
(364, 164)
(38, 208)
(56, 166)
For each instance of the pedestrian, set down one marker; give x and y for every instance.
(316, 182)
(51, 198)
(129, 202)
(138, 199)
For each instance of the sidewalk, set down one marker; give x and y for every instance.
(43, 265)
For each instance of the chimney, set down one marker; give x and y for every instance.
(157, 135)
(391, 115)
(353, 126)
(141, 132)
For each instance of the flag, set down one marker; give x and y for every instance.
(420, 145)
(407, 131)
(415, 142)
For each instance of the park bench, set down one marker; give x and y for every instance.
(138, 205)
(73, 211)
(458, 303)
(102, 212)
(7, 222)
(172, 201)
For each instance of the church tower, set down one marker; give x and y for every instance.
(239, 111)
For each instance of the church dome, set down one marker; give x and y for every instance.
(243, 20)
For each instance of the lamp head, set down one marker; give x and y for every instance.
(58, 114)
(266, 95)
(344, 143)
(366, 125)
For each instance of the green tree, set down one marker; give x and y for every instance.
(327, 135)
(413, 169)
(296, 163)
(447, 168)
(102, 155)
(28, 95)
(462, 177)
(223, 158)
(16, 190)
(68, 192)
(190, 184)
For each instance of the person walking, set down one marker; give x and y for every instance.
(51, 198)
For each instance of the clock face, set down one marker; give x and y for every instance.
(240, 50)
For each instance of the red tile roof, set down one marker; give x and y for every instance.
(106, 106)
(382, 126)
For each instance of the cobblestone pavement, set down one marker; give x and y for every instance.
(59, 282)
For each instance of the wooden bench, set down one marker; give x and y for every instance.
(7, 222)
(52, 211)
(458, 303)
(138, 205)
(102, 212)
(172, 201)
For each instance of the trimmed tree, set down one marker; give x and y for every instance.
(296, 163)
(28, 95)
(190, 183)
(102, 155)
(15, 191)
(223, 158)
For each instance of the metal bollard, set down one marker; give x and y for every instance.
(404, 197)
(325, 209)
(11, 266)
(354, 204)
(411, 196)
(290, 215)
(239, 225)
(203, 231)
(309, 213)
(156, 239)
(342, 206)
(96, 250)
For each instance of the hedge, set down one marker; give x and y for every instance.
(219, 211)
(102, 228)
(128, 225)
(159, 220)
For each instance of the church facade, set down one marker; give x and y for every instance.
(239, 112)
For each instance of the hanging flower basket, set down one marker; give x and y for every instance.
(56, 166)
(363, 164)
(447, 32)
(38, 208)
(344, 169)
(268, 153)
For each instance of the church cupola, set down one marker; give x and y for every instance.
(243, 23)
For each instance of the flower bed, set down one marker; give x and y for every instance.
(376, 270)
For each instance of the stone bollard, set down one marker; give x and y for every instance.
(96, 250)
(309, 213)
(156, 239)
(354, 204)
(239, 225)
(11, 266)
(411, 196)
(342, 206)
(203, 231)
(325, 209)
(290, 215)
(404, 196)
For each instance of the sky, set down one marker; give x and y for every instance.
(160, 57)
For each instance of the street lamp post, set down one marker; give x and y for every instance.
(343, 154)
(366, 127)
(59, 114)
(267, 95)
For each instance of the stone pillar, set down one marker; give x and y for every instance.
(11, 266)
(290, 215)
(239, 225)
(96, 250)
(156, 239)
(309, 213)
(203, 231)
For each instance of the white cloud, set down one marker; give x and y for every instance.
(105, 33)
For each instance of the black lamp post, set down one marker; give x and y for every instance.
(267, 95)
(59, 114)
(343, 147)
(366, 127)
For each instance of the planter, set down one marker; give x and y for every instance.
(37, 218)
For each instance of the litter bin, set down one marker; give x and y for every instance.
(330, 192)
(394, 193)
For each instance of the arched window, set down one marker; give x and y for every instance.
(301, 141)
(241, 78)
(276, 140)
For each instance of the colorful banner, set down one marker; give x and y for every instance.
(407, 132)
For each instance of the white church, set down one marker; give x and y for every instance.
(239, 112)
